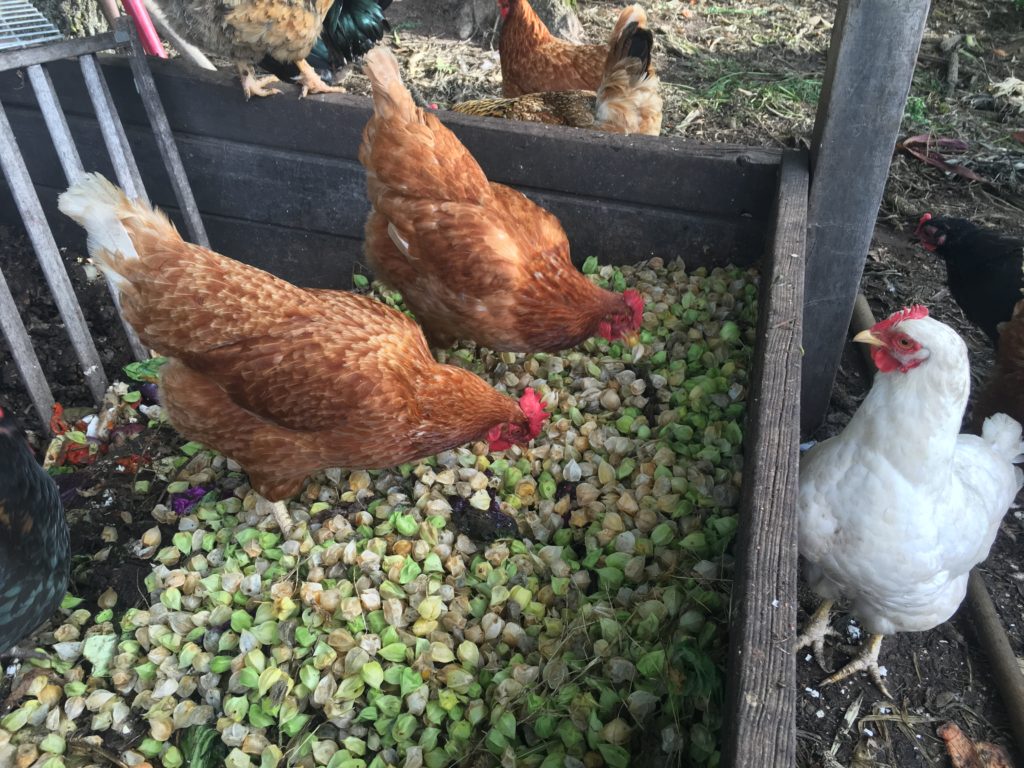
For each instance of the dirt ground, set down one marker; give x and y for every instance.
(747, 73)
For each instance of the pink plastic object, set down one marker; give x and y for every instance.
(147, 32)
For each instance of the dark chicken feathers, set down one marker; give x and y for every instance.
(34, 555)
(351, 28)
(983, 268)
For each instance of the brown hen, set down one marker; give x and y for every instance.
(533, 60)
(284, 380)
(1004, 391)
(247, 30)
(627, 100)
(473, 260)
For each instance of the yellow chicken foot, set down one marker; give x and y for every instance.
(255, 86)
(866, 661)
(815, 632)
(279, 510)
(311, 82)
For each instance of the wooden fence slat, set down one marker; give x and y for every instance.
(27, 202)
(867, 78)
(761, 702)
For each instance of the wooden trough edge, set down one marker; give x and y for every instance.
(636, 169)
(760, 709)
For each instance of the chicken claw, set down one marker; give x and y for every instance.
(311, 82)
(866, 661)
(279, 510)
(815, 632)
(256, 86)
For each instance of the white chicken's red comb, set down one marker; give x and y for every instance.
(913, 312)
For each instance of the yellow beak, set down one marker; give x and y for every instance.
(867, 337)
(631, 339)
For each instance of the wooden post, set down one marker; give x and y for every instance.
(867, 78)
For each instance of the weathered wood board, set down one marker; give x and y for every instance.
(761, 701)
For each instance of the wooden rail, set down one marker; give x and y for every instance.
(288, 168)
(760, 712)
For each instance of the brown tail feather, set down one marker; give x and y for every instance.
(627, 99)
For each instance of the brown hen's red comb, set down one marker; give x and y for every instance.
(533, 408)
(915, 312)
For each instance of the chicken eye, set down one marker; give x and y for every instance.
(904, 342)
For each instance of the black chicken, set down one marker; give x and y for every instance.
(351, 28)
(983, 268)
(34, 556)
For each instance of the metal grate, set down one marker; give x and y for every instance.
(21, 24)
(33, 59)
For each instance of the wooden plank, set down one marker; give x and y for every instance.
(71, 164)
(760, 713)
(663, 171)
(165, 141)
(27, 203)
(308, 259)
(867, 78)
(41, 54)
(327, 195)
(20, 344)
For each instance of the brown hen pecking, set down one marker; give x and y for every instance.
(533, 60)
(284, 380)
(247, 30)
(627, 101)
(473, 260)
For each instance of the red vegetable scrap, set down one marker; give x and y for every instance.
(57, 424)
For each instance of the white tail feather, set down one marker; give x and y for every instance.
(102, 209)
(1003, 433)
(93, 202)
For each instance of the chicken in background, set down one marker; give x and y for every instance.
(627, 101)
(535, 61)
(284, 380)
(895, 510)
(983, 268)
(351, 28)
(34, 554)
(247, 30)
(1004, 390)
(473, 260)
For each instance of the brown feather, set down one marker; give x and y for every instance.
(626, 101)
(533, 60)
(1004, 391)
(282, 379)
(473, 260)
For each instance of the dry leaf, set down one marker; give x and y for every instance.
(926, 149)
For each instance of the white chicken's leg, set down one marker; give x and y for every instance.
(816, 631)
(279, 510)
(866, 661)
(311, 82)
(254, 86)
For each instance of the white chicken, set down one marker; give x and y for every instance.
(895, 511)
